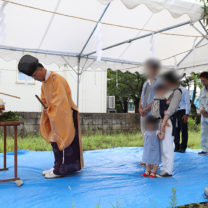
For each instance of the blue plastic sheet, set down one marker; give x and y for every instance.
(111, 178)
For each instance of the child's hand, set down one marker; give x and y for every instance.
(161, 135)
(164, 124)
(168, 102)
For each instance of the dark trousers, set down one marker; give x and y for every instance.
(68, 160)
(181, 127)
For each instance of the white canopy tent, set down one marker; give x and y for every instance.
(121, 34)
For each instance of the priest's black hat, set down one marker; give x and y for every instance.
(28, 65)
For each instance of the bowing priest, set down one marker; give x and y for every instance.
(59, 124)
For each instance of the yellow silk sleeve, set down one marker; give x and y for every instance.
(59, 112)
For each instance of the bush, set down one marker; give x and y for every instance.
(193, 126)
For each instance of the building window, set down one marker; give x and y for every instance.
(24, 79)
(131, 107)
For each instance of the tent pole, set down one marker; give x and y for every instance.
(69, 65)
(59, 53)
(179, 63)
(192, 66)
(83, 67)
(78, 80)
(203, 35)
(203, 27)
(49, 24)
(85, 45)
(101, 17)
(140, 37)
(182, 60)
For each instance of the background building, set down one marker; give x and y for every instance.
(92, 93)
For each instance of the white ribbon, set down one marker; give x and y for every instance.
(99, 43)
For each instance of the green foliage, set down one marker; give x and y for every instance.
(192, 80)
(117, 205)
(100, 141)
(125, 86)
(193, 126)
(173, 199)
(98, 206)
(94, 142)
(205, 8)
(10, 116)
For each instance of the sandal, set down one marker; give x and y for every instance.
(146, 174)
(152, 175)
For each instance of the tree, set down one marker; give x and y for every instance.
(192, 80)
(125, 86)
(205, 9)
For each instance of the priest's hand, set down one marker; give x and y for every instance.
(45, 110)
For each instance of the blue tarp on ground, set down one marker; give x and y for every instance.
(111, 177)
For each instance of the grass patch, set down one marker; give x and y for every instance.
(111, 141)
(97, 141)
(194, 140)
(197, 205)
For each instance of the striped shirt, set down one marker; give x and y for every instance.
(174, 103)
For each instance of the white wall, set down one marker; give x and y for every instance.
(93, 89)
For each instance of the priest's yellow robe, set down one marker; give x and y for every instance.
(57, 125)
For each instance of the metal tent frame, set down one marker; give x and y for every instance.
(80, 69)
(205, 36)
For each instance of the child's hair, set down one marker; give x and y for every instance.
(160, 87)
(171, 77)
(151, 120)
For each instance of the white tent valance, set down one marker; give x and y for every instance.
(176, 8)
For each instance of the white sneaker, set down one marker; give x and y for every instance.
(47, 171)
(206, 193)
(163, 175)
(51, 175)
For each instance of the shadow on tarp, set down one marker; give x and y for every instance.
(111, 176)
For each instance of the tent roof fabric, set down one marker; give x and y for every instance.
(197, 60)
(36, 27)
(176, 8)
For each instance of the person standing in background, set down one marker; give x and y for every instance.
(182, 121)
(152, 67)
(203, 103)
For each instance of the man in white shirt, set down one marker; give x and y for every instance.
(203, 103)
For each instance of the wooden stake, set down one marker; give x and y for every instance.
(9, 95)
